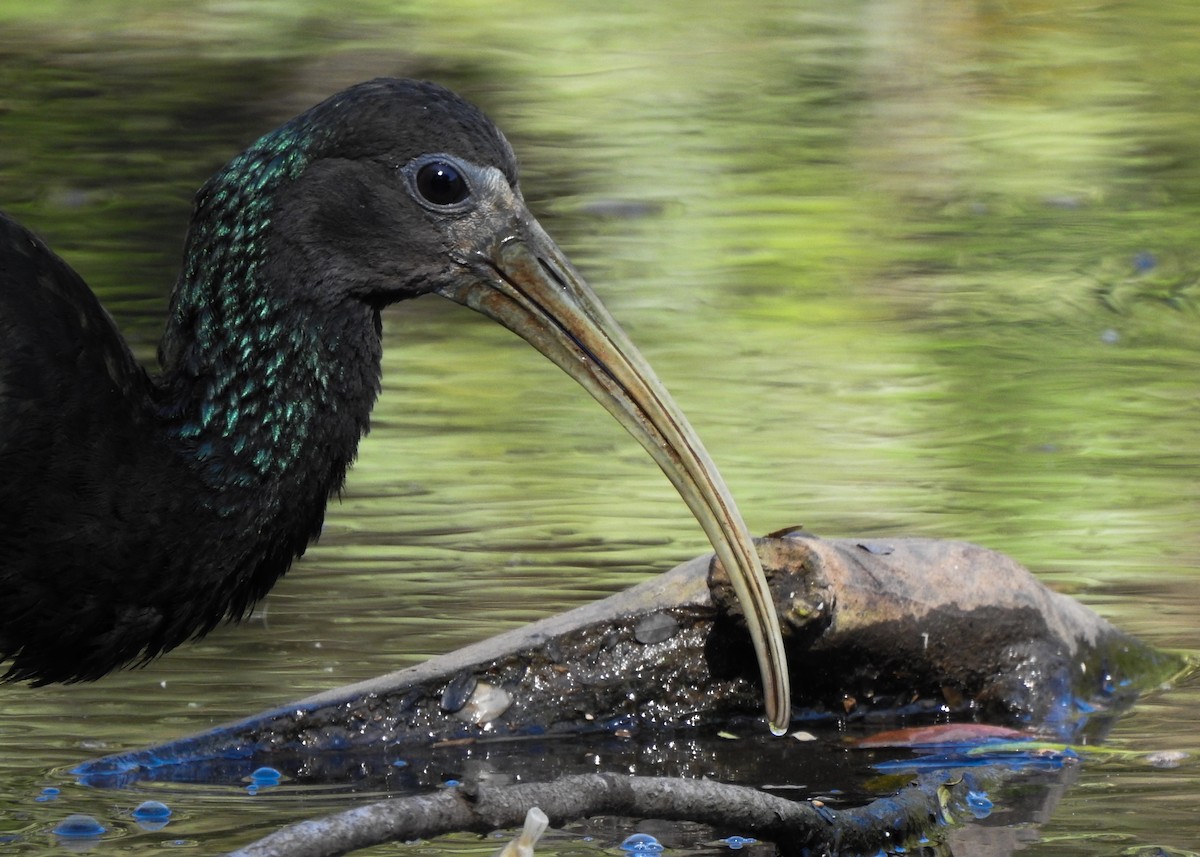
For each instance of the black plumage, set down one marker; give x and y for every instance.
(140, 511)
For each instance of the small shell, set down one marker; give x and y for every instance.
(486, 703)
(458, 692)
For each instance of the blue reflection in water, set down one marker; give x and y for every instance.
(979, 803)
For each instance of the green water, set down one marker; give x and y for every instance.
(908, 267)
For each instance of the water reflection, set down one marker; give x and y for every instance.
(918, 235)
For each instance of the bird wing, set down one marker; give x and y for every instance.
(74, 409)
(68, 381)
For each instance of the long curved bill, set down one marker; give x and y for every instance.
(523, 281)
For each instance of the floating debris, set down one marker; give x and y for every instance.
(942, 735)
(825, 812)
(536, 823)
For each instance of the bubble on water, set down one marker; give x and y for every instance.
(152, 810)
(79, 827)
(152, 815)
(641, 843)
(736, 843)
(265, 777)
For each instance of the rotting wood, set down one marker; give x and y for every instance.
(904, 625)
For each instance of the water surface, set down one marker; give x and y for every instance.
(909, 270)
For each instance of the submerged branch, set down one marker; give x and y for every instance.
(795, 827)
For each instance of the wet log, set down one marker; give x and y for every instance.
(908, 630)
(880, 627)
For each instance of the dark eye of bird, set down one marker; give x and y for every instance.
(441, 183)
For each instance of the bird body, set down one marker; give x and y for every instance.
(140, 511)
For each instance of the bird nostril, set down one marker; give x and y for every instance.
(553, 272)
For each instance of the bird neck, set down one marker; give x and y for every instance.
(265, 384)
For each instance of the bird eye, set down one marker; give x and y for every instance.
(441, 183)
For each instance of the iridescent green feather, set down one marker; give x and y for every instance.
(252, 357)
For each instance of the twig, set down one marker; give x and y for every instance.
(793, 826)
